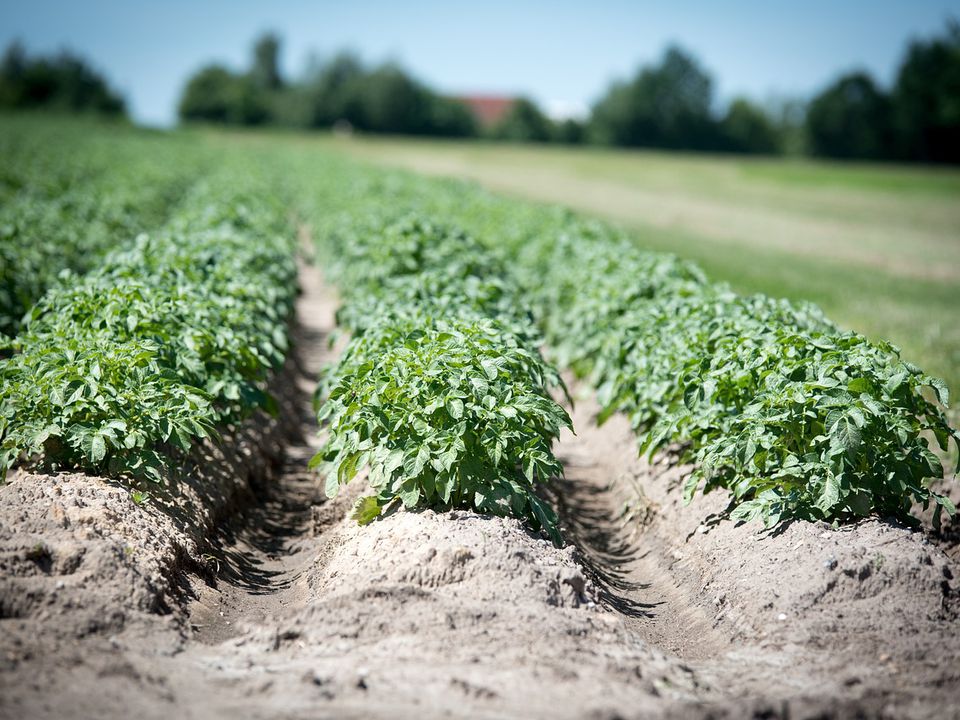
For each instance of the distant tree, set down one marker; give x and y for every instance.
(215, 94)
(789, 117)
(524, 122)
(851, 119)
(332, 92)
(265, 72)
(393, 102)
(63, 83)
(451, 118)
(570, 132)
(746, 128)
(665, 105)
(926, 99)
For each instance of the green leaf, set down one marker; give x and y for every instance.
(490, 368)
(455, 408)
(409, 493)
(98, 449)
(366, 510)
(331, 485)
(347, 469)
(830, 495)
(933, 463)
(943, 392)
(846, 433)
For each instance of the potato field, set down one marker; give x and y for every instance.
(284, 434)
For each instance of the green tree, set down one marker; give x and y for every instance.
(665, 105)
(265, 72)
(926, 99)
(62, 83)
(570, 132)
(851, 119)
(451, 118)
(393, 102)
(215, 94)
(386, 99)
(331, 91)
(746, 128)
(524, 122)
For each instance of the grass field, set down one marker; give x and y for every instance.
(877, 247)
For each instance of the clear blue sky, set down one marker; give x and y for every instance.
(561, 53)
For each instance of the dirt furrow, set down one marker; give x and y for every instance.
(807, 619)
(260, 554)
(605, 513)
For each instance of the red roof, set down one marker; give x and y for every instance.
(488, 109)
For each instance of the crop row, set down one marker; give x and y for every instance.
(769, 400)
(70, 199)
(168, 338)
(441, 391)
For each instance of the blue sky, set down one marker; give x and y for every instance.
(561, 53)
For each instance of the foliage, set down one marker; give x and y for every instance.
(772, 403)
(794, 417)
(926, 109)
(850, 119)
(442, 391)
(74, 196)
(63, 83)
(384, 99)
(524, 122)
(919, 120)
(447, 412)
(265, 72)
(215, 94)
(668, 104)
(120, 371)
(570, 132)
(746, 128)
(664, 106)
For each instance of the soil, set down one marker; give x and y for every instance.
(245, 593)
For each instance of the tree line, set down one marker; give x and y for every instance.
(668, 104)
(64, 82)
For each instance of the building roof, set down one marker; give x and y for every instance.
(488, 109)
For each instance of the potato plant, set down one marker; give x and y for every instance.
(442, 392)
(790, 415)
(120, 371)
(770, 401)
(447, 412)
(69, 198)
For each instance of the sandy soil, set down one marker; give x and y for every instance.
(810, 619)
(249, 595)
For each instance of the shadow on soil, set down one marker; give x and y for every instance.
(590, 521)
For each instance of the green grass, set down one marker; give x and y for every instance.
(876, 246)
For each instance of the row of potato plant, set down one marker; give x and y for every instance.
(120, 371)
(69, 195)
(791, 415)
(441, 392)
